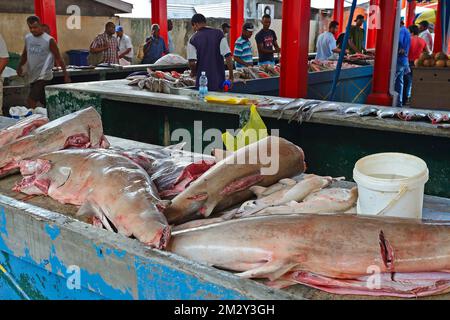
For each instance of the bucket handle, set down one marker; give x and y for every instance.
(401, 193)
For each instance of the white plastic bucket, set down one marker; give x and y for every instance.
(391, 184)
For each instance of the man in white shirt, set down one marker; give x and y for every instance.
(425, 34)
(326, 42)
(125, 45)
(4, 56)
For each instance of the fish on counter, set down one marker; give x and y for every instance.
(117, 192)
(261, 163)
(291, 191)
(171, 169)
(367, 111)
(438, 117)
(387, 113)
(325, 201)
(82, 129)
(301, 110)
(333, 253)
(412, 115)
(273, 103)
(22, 128)
(161, 82)
(351, 110)
(323, 107)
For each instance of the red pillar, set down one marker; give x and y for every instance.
(159, 16)
(373, 23)
(383, 56)
(294, 48)
(338, 14)
(237, 21)
(438, 29)
(46, 11)
(410, 12)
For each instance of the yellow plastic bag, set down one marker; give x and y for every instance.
(253, 131)
(226, 100)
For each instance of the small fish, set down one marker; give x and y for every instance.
(350, 110)
(412, 115)
(438, 117)
(323, 107)
(137, 77)
(367, 111)
(141, 83)
(149, 83)
(295, 104)
(386, 113)
(134, 82)
(299, 114)
(276, 104)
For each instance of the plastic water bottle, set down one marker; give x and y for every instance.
(203, 86)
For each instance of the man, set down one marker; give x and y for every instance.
(39, 54)
(266, 39)
(154, 47)
(4, 56)
(356, 39)
(125, 45)
(243, 54)
(169, 36)
(326, 42)
(425, 34)
(206, 50)
(418, 45)
(226, 31)
(404, 44)
(107, 44)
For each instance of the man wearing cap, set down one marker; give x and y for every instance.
(206, 50)
(243, 54)
(326, 42)
(356, 39)
(154, 47)
(125, 45)
(426, 35)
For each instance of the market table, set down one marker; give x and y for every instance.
(42, 244)
(332, 143)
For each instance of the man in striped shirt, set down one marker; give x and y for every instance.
(243, 54)
(107, 43)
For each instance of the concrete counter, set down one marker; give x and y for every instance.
(42, 246)
(332, 143)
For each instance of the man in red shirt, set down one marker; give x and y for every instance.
(418, 45)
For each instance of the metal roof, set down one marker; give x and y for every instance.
(219, 10)
(179, 11)
(122, 6)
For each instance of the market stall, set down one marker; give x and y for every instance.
(44, 245)
(132, 113)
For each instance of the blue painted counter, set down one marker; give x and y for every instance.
(354, 85)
